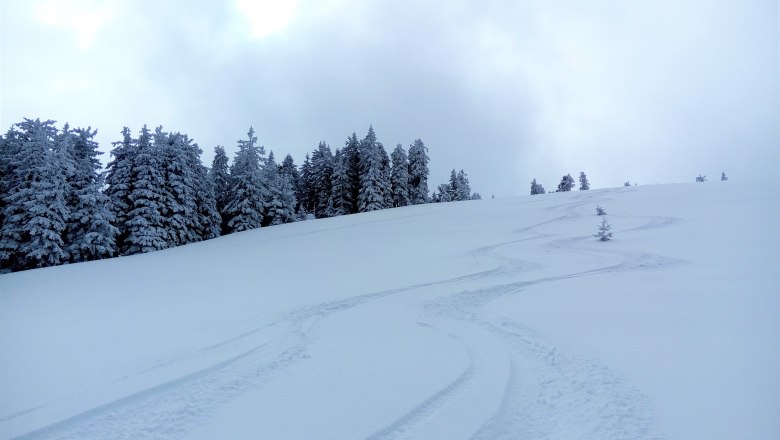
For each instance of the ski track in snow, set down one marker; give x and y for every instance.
(549, 393)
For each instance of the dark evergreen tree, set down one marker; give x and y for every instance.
(351, 157)
(723, 176)
(385, 174)
(269, 179)
(89, 233)
(219, 174)
(399, 177)
(208, 218)
(372, 193)
(120, 179)
(567, 183)
(340, 197)
(146, 223)
(245, 207)
(584, 184)
(418, 173)
(280, 200)
(454, 187)
(322, 175)
(35, 212)
(435, 197)
(10, 145)
(290, 171)
(308, 188)
(178, 206)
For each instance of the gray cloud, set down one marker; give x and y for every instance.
(648, 92)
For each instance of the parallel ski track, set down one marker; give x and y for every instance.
(528, 409)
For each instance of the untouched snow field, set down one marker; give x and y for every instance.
(487, 319)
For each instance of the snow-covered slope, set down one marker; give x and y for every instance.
(486, 319)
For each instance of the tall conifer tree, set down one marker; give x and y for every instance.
(35, 212)
(418, 173)
(245, 208)
(90, 234)
(399, 177)
(219, 174)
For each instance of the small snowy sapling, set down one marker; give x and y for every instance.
(701, 178)
(604, 233)
(723, 176)
(627, 184)
(584, 184)
(600, 210)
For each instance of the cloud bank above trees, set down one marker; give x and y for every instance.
(650, 92)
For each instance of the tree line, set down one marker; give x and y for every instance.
(58, 205)
(566, 184)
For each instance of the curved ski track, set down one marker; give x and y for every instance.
(548, 393)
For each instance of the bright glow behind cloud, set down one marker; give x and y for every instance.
(266, 17)
(83, 18)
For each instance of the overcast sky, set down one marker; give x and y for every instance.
(647, 91)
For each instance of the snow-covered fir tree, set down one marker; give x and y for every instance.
(269, 178)
(453, 189)
(372, 193)
(536, 188)
(584, 184)
(280, 200)
(290, 171)
(219, 174)
(178, 204)
(351, 157)
(399, 177)
(9, 147)
(283, 201)
(418, 173)
(445, 193)
(208, 219)
(600, 210)
(340, 197)
(463, 190)
(723, 176)
(120, 178)
(35, 212)
(245, 206)
(306, 191)
(567, 183)
(604, 231)
(89, 233)
(146, 222)
(385, 172)
(322, 175)
(476, 196)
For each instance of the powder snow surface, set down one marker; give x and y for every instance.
(487, 319)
